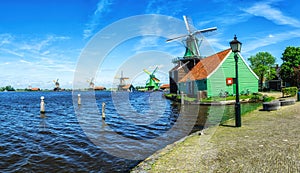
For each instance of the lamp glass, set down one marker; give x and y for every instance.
(235, 45)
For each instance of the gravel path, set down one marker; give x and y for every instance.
(266, 142)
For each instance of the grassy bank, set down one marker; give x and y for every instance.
(255, 97)
(266, 142)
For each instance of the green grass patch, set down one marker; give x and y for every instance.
(255, 97)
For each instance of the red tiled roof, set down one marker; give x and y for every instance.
(164, 86)
(99, 88)
(126, 86)
(205, 66)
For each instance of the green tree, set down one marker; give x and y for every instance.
(262, 64)
(289, 67)
(7, 88)
(2, 88)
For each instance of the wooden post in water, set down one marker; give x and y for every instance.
(103, 110)
(42, 105)
(79, 99)
(182, 97)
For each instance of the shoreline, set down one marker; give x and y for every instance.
(214, 149)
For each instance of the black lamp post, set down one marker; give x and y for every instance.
(236, 48)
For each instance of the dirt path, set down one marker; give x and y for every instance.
(277, 95)
(266, 142)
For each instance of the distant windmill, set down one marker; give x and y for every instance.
(191, 41)
(57, 88)
(91, 83)
(152, 83)
(122, 82)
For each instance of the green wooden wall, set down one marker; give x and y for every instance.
(216, 83)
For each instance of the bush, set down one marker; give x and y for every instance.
(268, 99)
(256, 97)
(290, 91)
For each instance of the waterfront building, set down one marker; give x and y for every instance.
(212, 76)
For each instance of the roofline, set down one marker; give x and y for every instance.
(248, 66)
(241, 57)
(208, 76)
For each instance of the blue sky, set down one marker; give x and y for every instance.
(42, 40)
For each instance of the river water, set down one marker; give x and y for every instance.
(74, 138)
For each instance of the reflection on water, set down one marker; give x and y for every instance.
(72, 138)
(214, 115)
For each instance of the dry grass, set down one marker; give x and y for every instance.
(266, 142)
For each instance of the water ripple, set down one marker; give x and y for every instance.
(56, 142)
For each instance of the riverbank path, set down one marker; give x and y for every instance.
(266, 142)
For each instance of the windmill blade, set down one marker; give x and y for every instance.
(146, 71)
(187, 24)
(155, 70)
(205, 30)
(90, 80)
(155, 79)
(169, 40)
(197, 48)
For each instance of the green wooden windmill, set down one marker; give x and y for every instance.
(152, 83)
(191, 41)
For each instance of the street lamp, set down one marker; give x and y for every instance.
(236, 48)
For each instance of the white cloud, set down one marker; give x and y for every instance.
(24, 61)
(217, 43)
(267, 40)
(38, 73)
(12, 52)
(102, 8)
(166, 7)
(35, 60)
(146, 43)
(38, 45)
(32, 47)
(159, 66)
(264, 9)
(5, 39)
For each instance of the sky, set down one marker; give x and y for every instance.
(46, 40)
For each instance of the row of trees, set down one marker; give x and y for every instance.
(7, 88)
(263, 65)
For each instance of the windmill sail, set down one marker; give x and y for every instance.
(57, 88)
(152, 83)
(191, 41)
(91, 83)
(122, 82)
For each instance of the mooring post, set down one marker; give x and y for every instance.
(79, 99)
(103, 110)
(42, 105)
(182, 97)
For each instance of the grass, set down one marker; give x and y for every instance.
(210, 99)
(255, 97)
